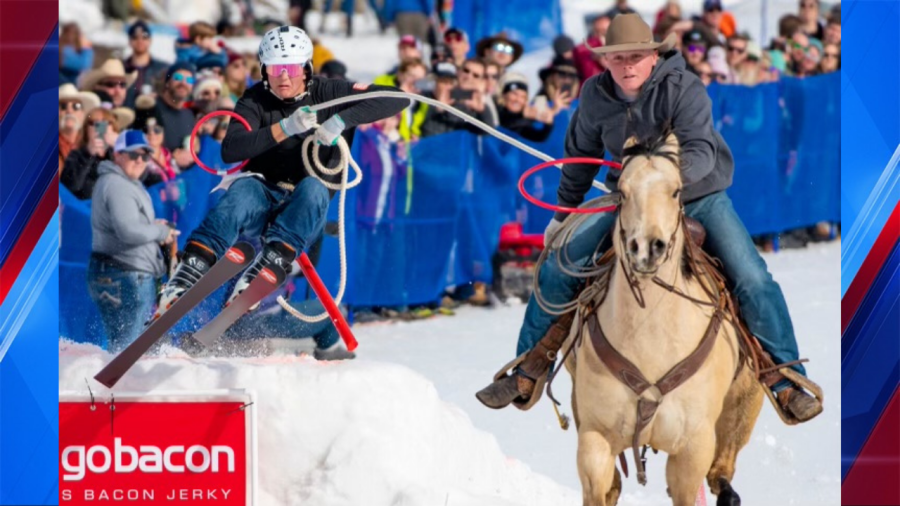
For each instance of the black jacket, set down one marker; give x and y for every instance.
(79, 172)
(523, 126)
(603, 121)
(284, 162)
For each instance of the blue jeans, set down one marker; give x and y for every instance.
(762, 303)
(252, 207)
(282, 324)
(125, 300)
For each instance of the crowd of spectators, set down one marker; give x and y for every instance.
(164, 99)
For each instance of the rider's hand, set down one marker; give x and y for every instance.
(329, 132)
(550, 231)
(299, 121)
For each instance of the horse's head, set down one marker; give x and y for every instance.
(650, 207)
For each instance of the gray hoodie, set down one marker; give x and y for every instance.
(122, 221)
(671, 93)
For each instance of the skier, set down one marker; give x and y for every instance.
(274, 197)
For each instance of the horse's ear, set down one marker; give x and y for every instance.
(631, 142)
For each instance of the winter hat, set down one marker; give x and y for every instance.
(205, 83)
(562, 44)
(445, 69)
(334, 69)
(513, 81)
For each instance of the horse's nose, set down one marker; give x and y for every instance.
(657, 249)
(633, 247)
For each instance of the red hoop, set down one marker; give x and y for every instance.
(564, 209)
(204, 119)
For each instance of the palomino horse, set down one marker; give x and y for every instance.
(656, 360)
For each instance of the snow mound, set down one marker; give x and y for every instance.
(361, 432)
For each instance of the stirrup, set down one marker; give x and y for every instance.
(802, 382)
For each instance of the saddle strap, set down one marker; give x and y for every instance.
(629, 374)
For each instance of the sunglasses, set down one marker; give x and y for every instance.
(156, 129)
(133, 156)
(292, 69)
(184, 78)
(70, 106)
(208, 93)
(492, 77)
(453, 37)
(141, 36)
(503, 47)
(114, 84)
(830, 55)
(797, 45)
(564, 74)
(694, 48)
(735, 49)
(472, 73)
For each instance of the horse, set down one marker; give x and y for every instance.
(662, 366)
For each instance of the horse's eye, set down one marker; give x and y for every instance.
(676, 194)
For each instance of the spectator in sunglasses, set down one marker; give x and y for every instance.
(126, 259)
(73, 105)
(500, 49)
(75, 53)
(149, 70)
(831, 58)
(457, 41)
(560, 85)
(171, 109)
(736, 50)
(693, 48)
(809, 16)
(797, 47)
(110, 78)
(809, 65)
(97, 137)
(515, 114)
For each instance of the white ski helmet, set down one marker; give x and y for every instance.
(285, 45)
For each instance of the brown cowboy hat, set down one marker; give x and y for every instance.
(629, 32)
(110, 68)
(485, 43)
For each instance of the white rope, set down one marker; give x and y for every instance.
(347, 161)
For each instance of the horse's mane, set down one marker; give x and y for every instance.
(651, 144)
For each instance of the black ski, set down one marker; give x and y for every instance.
(233, 262)
(266, 282)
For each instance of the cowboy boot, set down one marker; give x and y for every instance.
(529, 371)
(800, 404)
(503, 392)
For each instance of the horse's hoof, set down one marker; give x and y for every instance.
(727, 495)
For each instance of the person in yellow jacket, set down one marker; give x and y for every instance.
(411, 119)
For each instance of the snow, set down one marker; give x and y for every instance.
(401, 425)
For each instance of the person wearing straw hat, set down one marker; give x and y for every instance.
(73, 105)
(646, 89)
(110, 78)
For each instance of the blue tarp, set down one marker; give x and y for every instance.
(428, 216)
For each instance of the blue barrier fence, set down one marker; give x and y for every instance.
(428, 216)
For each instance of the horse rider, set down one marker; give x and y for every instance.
(646, 86)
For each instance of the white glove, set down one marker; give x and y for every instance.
(299, 121)
(550, 231)
(327, 134)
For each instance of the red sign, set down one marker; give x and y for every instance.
(140, 451)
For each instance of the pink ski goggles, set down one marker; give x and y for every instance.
(292, 69)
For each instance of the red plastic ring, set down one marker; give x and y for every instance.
(204, 119)
(552, 207)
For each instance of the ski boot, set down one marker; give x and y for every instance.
(274, 253)
(333, 352)
(195, 262)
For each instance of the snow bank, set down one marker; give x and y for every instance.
(362, 432)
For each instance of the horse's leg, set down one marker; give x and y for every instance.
(739, 413)
(596, 468)
(685, 471)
